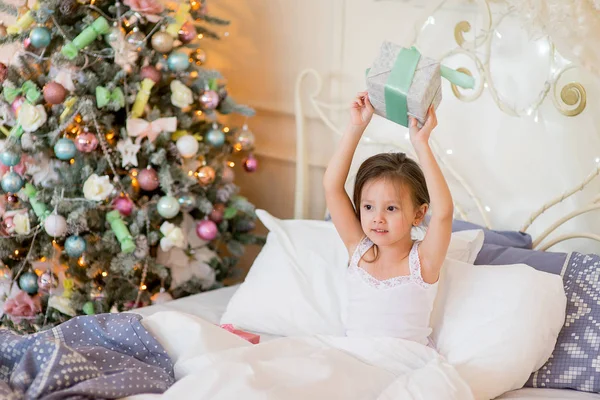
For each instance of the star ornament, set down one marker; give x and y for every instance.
(128, 151)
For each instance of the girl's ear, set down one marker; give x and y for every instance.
(420, 214)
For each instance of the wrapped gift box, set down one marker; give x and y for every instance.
(402, 83)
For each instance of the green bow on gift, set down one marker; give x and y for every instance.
(105, 96)
(29, 89)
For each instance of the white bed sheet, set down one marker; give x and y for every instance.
(208, 305)
(211, 306)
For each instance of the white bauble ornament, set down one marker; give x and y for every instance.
(187, 146)
(55, 225)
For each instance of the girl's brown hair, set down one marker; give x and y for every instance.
(399, 168)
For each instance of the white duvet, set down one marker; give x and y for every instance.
(211, 363)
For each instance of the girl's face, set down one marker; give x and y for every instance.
(387, 212)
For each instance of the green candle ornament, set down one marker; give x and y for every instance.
(121, 231)
(98, 28)
(39, 208)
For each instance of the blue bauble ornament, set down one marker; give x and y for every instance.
(178, 61)
(12, 182)
(216, 138)
(75, 246)
(40, 37)
(10, 158)
(187, 202)
(65, 149)
(168, 207)
(28, 282)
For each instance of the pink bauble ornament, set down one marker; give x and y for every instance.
(216, 214)
(20, 168)
(54, 93)
(250, 163)
(187, 33)
(26, 42)
(16, 105)
(47, 282)
(228, 175)
(151, 73)
(3, 72)
(124, 205)
(8, 225)
(209, 100)
(86, 142)
(148, 179)
(207, 230)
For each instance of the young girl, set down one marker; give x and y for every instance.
(392, 281)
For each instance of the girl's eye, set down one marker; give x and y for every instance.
(391, 208)
(367, 207)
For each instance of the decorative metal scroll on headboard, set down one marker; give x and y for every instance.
(568, 98)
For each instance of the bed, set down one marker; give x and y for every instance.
(548, 223)
(211, 306)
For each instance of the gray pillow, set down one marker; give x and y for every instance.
(546, 261)
(501, 238)
(575, 361)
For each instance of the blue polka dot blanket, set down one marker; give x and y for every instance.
(104, 356)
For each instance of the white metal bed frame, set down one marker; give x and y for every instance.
(572, 95)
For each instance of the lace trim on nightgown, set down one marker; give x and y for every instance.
(413, 262)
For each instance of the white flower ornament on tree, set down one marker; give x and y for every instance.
(97, 188)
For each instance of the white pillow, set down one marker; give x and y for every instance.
(464, 245)
(296, 285)
(497, 324)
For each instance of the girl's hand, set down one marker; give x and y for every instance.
(361, 111)
(421, 136)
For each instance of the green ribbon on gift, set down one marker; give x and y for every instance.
(105, 96)
(458, 78)
(398, 84)
(29, 89)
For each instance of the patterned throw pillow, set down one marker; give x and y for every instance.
(575, 362)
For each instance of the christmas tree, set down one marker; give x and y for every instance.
(116, 172)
